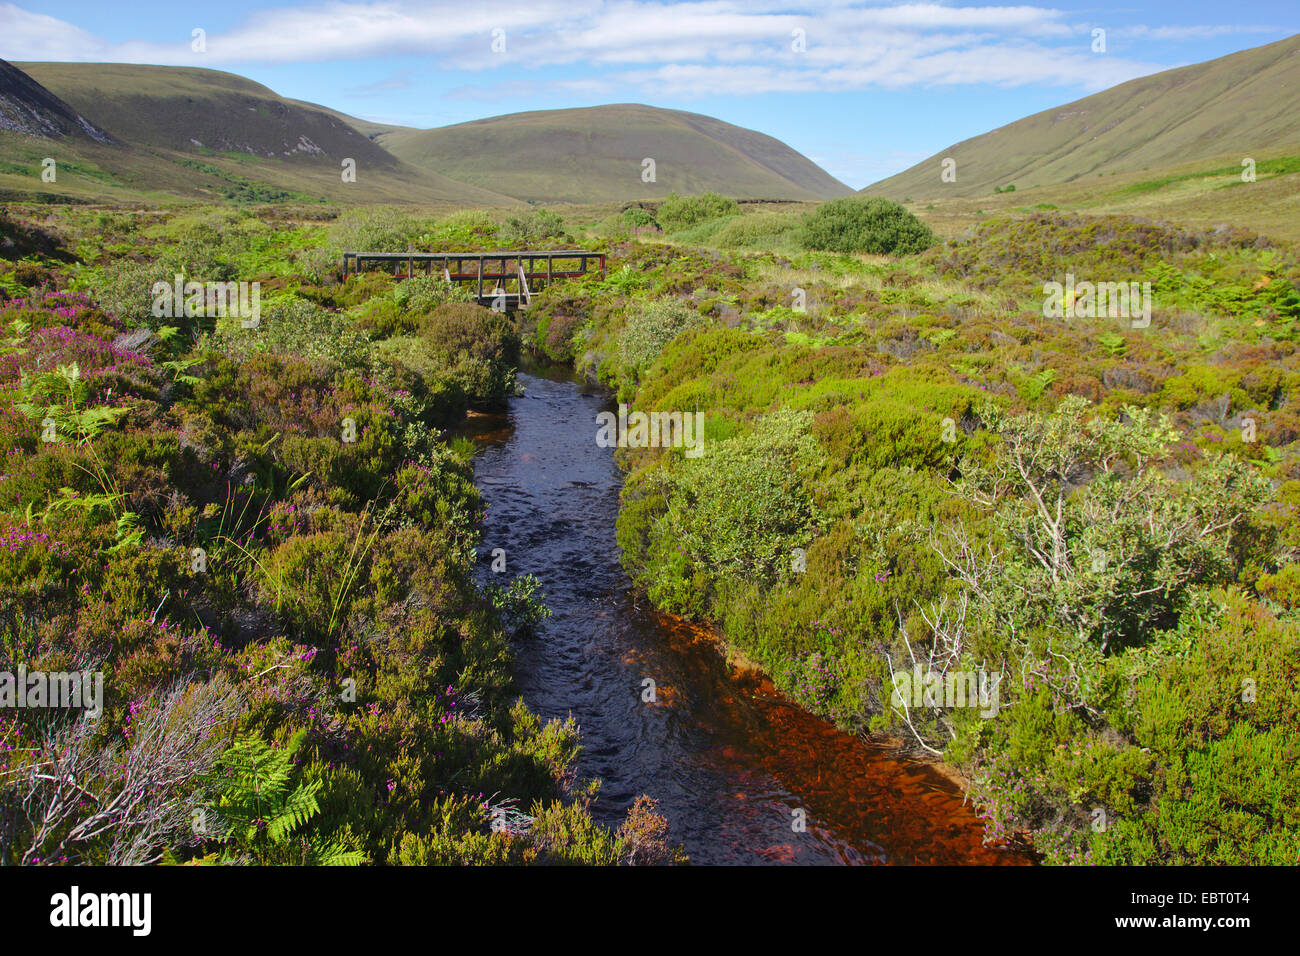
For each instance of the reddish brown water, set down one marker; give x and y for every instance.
(727, 758)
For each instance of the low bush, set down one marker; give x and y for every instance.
(648, 330)
(532, 228)
(681, 212)
(872, 225)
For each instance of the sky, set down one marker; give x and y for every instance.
(863, 88)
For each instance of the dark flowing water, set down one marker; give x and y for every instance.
(727, 758)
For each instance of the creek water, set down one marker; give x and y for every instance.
(727, 758)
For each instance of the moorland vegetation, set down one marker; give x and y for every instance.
(907, 464)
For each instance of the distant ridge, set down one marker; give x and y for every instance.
(205, 133)
(192, 109)
(1239, 104)
(198, 133)
(595, 154)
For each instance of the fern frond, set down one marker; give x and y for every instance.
(338, 855)
(298, 808)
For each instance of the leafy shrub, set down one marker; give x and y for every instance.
(423, 294)
(465, 229)
(318, 263)
(759, 231)
(478, 346)
(521, 605)
(295, 327)
(637, 218)
(681, 212)
(1119, 559)
(376, 229)
(648, 330)
(407, 303)
(361, 287)
(535, 226)
(873, 225)
(124, 288)
(736, 512)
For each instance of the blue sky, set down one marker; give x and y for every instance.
(876, 87)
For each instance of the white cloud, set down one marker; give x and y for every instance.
(1001, 66)
(682, 49)
(1190, 32)
(35, 36)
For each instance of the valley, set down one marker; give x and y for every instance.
(613, 484)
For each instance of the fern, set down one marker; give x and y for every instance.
(179, 369)
(260, 811)
(340, 856)
(60, 396)
(129, 532)
(626, 281)
(1036, 385)
(1113, 344)
(59, 400)
(17, 341)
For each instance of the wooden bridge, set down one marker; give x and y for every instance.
(512, 277)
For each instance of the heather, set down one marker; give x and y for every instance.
(265, 541)
(907, 463)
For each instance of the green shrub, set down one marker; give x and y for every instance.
(873, 225)
(465, 229)
(420, 295)
(737, 512)
(478, 346)
(124, 288)
(376, 229)
(1123, 557)
(532, 227)
(295, 327)
(638, 218)
(681, 212)
(758, 231)
(648, 330)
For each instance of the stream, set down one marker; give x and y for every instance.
(727, 757)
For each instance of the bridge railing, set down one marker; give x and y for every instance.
(530, 269)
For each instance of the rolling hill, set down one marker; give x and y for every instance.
(202, 110)
(195, 133)
(595, 154)
(1246, 104)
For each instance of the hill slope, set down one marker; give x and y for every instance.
(595, 154)
(208, 134)
(28, 108)
(191, 109)
(1243, 104)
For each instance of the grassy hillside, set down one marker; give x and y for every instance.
(595, 155)
(206, 111)
(1234, 107)
(1206, 192)
(208, 135)
(366, 128)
